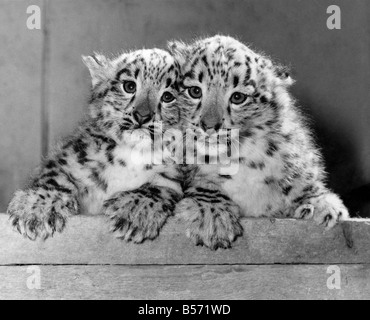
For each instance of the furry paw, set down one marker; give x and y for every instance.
(214, 225)
(140, 214)
(39, 212)
(326, 210)
(305, 212)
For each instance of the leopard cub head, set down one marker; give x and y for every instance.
(226, 85)
(133, 90)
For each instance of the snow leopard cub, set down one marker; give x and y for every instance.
(100, 168)
(280, 173)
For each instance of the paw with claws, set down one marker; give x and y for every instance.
(326, 210)
(212, 220)
(140, 214)
(39, 213)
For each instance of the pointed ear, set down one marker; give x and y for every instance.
(283, 75)
(97, 65)
(179, 50)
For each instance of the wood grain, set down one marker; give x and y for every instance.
(185, 282)
(86, 240)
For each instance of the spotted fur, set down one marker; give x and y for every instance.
(280, 173)
(99, 169)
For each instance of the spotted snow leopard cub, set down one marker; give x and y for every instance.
(226, 85)
(100, 168)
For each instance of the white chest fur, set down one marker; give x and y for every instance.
(248, 187)
(127, 172)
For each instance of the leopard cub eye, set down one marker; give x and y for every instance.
(129, 86)
(238, 98)
(168, 97)
(195, 92)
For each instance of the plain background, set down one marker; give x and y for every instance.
(44, 85)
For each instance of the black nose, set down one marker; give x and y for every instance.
(208, 126)
(142, 116)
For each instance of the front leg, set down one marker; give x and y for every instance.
(43, 208)
(140, 214)
(212, 218)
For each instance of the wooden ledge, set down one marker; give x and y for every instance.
(86, 241)
(275, 259)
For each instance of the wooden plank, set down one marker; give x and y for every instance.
(20, 87)
(185, 282)
(86, 240)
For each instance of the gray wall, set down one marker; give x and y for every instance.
(44, 85)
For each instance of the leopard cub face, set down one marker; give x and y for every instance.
(134, 90)
(226, 85)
